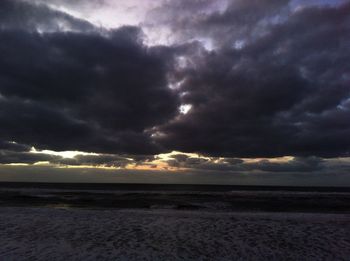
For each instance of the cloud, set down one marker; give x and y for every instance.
(284, 93)
(10, 157)
(49, 174)
(216, 23)
(308, 164)
(13, 146)
(291, 165)
(87, 91)
(21, 15)
(262, 78)
(94, 160)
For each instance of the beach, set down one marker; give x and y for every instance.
(81, 234)
(140, 222)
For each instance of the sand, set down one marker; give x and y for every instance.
(28, 233)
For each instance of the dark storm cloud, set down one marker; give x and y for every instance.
(94, 160)
(296, 165)
(81, 91)
(11, 153)
(305, 164)
(13, 146)
(180, 157)
(284, 93)
(8, 157)
(276, 83)
(76, 3)
(221, 22)
(20, 15)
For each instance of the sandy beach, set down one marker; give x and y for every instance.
(80, 234)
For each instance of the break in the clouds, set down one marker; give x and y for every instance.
(228, 80)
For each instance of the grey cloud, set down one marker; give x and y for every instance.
(9, 157)
(220, 22)
(13, 146)
(180, 157)
(21, 15)
(296, 165)
(285, 93)
(85, 91)
(282, 90)
(94, 160)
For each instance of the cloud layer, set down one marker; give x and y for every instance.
(258, 79)
(284, 92)
(95, 91)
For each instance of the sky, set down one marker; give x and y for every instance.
(157, 91)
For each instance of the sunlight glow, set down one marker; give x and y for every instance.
(70, 12)
(64, 154)
(17, 164)
(176, 85)
(185, 108)
(272, 160)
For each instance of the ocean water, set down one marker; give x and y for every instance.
(177, 197)
(172, 222)
(166, 187)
